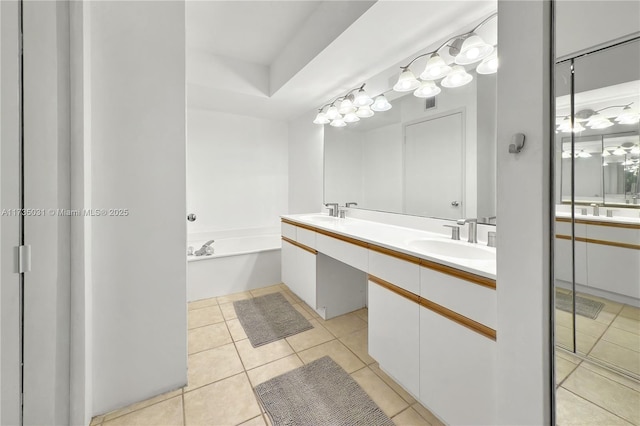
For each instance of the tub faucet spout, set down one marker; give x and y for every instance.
(203, 250)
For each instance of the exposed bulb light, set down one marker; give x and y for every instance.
(457, 77)
(566, 154)
(406, 82)
(606, 153)
(427, 89)
(489, 65)
(321, 118)
(583, 154)
(436, 68)
(473, 49)
(565, 126)
(381, 104)
(362, 99)
(351, 118)
(628, 116)
(598, 121)
(333, 113)
(346, 106)
(364, 112)
(338, 122)
(619, 151)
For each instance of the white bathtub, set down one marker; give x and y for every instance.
(237, 264)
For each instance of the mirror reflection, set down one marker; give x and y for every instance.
(432, 157)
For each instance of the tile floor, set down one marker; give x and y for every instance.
(224, 367)
(587, 394)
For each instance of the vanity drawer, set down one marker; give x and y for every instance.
(402, 273)
(289, 231)
(466, 298)
(306, 237)
(347, 252)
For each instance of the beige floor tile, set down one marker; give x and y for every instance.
(142, 404)
(344, 324)
(97, 420)
(298, 307)
(268, 371)
(628, 324)
(234, 297)
(317, 335)
(208, 337)
(255, 357)
(563, 369)
(392, 383)
(605, 317)
(630, 312)
(256, 421)
(266, 290)
(168, 412)
(426, 414)
(605, 393)
(337, 351)
(616, 377)
(228, 311)
(228, 402)
(388, 401)
(202, 303)
(568, 356)
(619, 356)
(573, 410)
(204, 316)
(363, 314)
(622, 338)
(563, 318)
(358, 343)
(564, 337)
(309, 309)
(410, 417)
(291, 295)
(213, 365)
(236, 329)
(590, 327)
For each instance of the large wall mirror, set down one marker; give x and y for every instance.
(423, 157)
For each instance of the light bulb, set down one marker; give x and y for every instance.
(619, 151)
(628, 116)
(436, 68)
(457, 77)
(338, 122)
(566, 154)
(351, 118)
(332, 113)
(584, 154)
(489, 65)
(362, 99)
(473, 50)
(381, 104)
(321, 118)
(364, 112)
(406, 82)
(346, 106)
(427, 89)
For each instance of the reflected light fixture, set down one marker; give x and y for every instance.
(596, 121)
(458, 77)
(338, 122)
(321, 118)
(566, 154)
(427, 89)
(436, 68)
(473, 49)
(583, 154)
(332, 113)
(635, 150)
(351, 118)
(406, 81)
(351, 107)
(489, 65)
(628, 115)
(346, 106)
(619, 151)
(364, 112)
(362, 99)
(381, 104)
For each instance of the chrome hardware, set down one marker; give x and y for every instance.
(473, 229)
(351, 204)
(342, 213)
(23, 261)
(610, 212)
(517, 143)
(491, 239)
(333, 209)
(455, 231)
(205, 249)
(191, 217)
(596, 209)
(455, 203)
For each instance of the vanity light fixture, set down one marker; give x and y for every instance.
(353, 106)
(467, 48)
(427, 89)
(583, 154)
(606, 153)
(594, 120)
(619, 151)
(628, 115)
(566, 154)
(635, 150)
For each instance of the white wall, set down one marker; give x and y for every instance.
(138, 162)
(236, 171)
(306, 142)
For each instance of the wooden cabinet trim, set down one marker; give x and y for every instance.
(602, 242)
(463, 275)
(395, 289)
(396, 254)
(600, 223)
(302, 246)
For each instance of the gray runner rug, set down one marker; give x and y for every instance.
(585, 307)
(319, 393)
(268, 318)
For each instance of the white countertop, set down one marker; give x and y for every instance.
(398, 238)
(590, 217)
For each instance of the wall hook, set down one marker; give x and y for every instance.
(517, 143)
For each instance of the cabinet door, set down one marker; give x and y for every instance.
(299, 272)
(394, 337)
(456, 371)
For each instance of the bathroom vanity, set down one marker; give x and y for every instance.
(431, 301)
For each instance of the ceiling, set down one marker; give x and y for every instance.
(281, 59)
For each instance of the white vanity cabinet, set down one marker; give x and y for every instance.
(299, 263)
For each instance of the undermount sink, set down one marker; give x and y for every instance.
(454, 249)
(318, 218)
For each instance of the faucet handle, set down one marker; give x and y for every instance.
(351, 204)
(455, 231)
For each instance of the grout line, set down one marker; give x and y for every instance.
(599, 406)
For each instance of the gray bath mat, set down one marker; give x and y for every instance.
(585, 307)
(319, 393)
(268, 318)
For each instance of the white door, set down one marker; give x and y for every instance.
(10, 152)
(433, 167)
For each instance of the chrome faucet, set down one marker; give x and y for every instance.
(203, 250)
(473, 229)
(333, 209)
(351, 204)
(596, 209)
